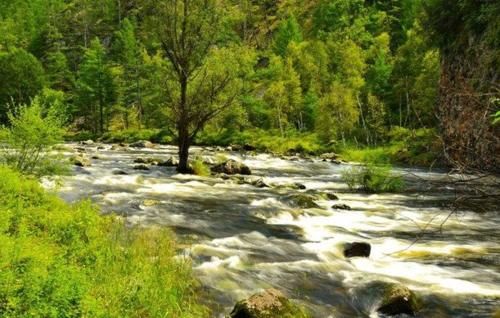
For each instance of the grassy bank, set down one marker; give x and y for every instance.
(60, 260)
(401, 146)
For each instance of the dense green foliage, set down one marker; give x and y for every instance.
(31, 132)
(372, 178)
(59, 260)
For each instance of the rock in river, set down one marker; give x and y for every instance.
(398, 299)
(360, 249)
(341, 207)
(81, 161)
(142, 144)
(302, 200)
(232, 167)
(170, 162)
(271, 303)
(141, 167)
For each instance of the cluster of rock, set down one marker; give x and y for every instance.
(231, 167)
(393, 299)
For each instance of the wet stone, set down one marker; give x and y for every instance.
(141, 167)
(357, 249)
(341, 207)
(270, 303)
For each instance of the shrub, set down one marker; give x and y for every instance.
(374, 179)
(61, 260)
(29, 137)
(200, 168)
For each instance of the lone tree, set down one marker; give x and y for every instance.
(205, 70)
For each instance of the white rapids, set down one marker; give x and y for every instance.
(243, 239)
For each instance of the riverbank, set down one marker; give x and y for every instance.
(419, 148)
(64, 260)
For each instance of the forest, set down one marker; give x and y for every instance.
(318, 74)
(364, 98)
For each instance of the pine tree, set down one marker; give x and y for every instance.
(95, 87)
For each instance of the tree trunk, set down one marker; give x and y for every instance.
(183, 128)
(184, 144)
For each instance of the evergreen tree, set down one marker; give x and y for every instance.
(95, 88)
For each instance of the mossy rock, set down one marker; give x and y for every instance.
(271, 303)
(231, 167)
(81, 161)
(398, 299)
(304, 201)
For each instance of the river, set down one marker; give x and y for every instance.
(243, 239)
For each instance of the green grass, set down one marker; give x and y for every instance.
(265, 141)
(126, 136)
(420, 147)
(60, 260)
(200, 168)
(373, 179)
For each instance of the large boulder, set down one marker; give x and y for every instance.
(271, 303)
(81, 161)
(398, 299)
(357, 249)
(142, 144)
(232, 167)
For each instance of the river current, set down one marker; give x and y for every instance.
(242, 238)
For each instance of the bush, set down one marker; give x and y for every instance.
(200, 168)
(371, 178)
(60, 260)
(29, 137)
(132, 135)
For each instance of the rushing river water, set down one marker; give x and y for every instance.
(243, 239)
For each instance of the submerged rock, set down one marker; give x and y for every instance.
(356, 249)
(259, 183)
(142, 144)
(149, 161)
(331, 196)
(271, 303)
(302, 200)
(141, 167)
(341, 207)
(119, 173)
(149, 202)
(248, 147)
(170, 162)
(232, 167)
(299, 186)
(398, 299)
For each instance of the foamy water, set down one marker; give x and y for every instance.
(243, 239)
